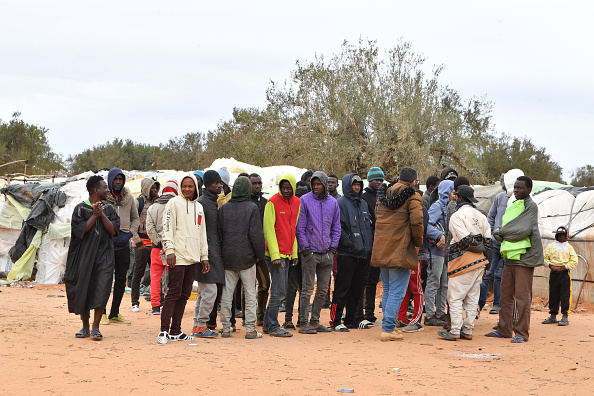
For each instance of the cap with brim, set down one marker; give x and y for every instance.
(466, 192)
(561, 230)
(356, 179)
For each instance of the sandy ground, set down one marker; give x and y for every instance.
(39, 355)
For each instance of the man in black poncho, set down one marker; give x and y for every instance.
(89, 266)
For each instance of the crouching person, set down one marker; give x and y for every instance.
(185, 244)
(242, 245)
(471, 237)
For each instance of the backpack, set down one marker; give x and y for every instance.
(140, 204)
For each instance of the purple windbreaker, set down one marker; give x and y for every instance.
(318, 227)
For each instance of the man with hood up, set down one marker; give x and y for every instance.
(437, 272)
(354, 253)
(149, 191)
(154, 228)
(242, 246)
(318, 235)
(494, 218)
(209, 283)
(120, 198)
(185, 244)
(280, 222)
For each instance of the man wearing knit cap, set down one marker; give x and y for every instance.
(208, 282)
(225, 194)
(375, 178)
(154, 229)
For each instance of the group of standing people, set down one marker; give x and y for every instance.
(429, 248)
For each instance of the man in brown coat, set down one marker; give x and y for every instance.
(398, 234)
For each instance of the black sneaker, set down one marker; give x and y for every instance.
(156, 311)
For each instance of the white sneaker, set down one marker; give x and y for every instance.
(163, 337)
(135, 308)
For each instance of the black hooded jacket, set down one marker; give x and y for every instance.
(356, 238)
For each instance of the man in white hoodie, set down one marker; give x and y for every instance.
(185, 244)
(471, 238)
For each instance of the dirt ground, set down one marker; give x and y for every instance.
(39, 355)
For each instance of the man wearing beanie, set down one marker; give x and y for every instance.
(375, 178)
(154, 229)
(225, 194)
(208, 282)
(242, 246)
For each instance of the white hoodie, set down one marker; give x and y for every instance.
(184, 228)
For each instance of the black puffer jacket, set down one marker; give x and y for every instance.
(216, 274)
(240, 229)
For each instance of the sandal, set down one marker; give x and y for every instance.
(181, 337)
(447, 335)
(323, 329)
(307, 329)
(517, 340)
(225, 333)
(83, 333)
(96, 335)
(493, 334)
(341, 328)
(280, 332)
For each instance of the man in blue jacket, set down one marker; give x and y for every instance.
(318, 234)
(354, 252)
(437, 272)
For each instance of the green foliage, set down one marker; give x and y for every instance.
(123, 154)
(358, 109)
(502, 154)
(583, 176)
(22, 141)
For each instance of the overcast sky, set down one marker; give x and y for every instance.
(91, 71)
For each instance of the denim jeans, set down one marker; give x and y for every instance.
(494, 272)
(395, 282)
(437, 287)
(278, 290)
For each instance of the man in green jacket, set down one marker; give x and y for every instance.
(516, 280)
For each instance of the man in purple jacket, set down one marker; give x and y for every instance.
(318, 233)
